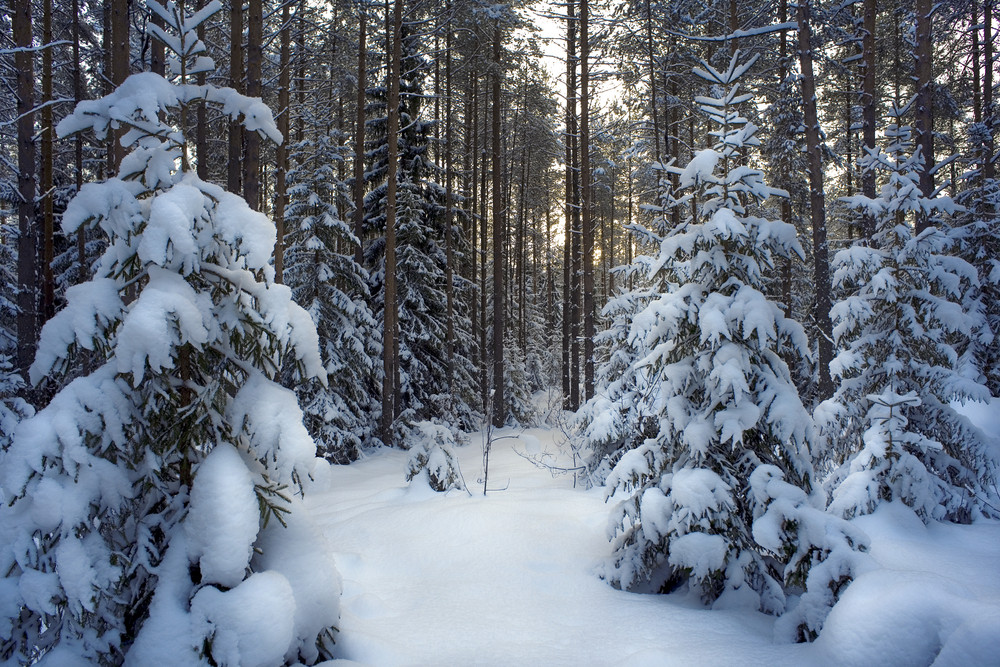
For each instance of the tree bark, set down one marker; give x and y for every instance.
(817, 202)
(255, 53)
(389, 346)
(26, 279)
(925, 103)
(652, 75)
(201, 118)
(449, 214)
(48, 195)
(989, 117)
(119, 68)
(499, 234)
(588, 218)
(233, 175)
(280, 186)
(81, 233)
(868, 62)
(568, 374)
(359, 137)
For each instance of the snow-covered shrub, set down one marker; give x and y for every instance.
(432, 457)
(144, 499)
(901, 329)
(720, 403)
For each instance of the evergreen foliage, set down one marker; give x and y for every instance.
(144, 500)
(900, 329)
(429, 385)
(432, 457)
(729, 449)
(325, 279)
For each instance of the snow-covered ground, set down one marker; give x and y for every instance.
(509, 579)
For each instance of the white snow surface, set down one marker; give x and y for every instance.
(510, 578)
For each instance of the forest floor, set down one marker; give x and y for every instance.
(511, 578)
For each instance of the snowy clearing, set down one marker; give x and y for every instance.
(453, 579)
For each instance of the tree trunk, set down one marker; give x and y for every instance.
(472, 172)
(588, 217)
(988, 115)
(359, 138)
(233, 174)
(389, 345)
(280, 186)
(119, 69)
(652, 75)
(26, 279)
(47, 192)
(868, 62)
(81, 233)
(817, 203)
(499, 234)
(201, 120)
(449, 215)
(925, 103)
(567, 337)
(255, 54)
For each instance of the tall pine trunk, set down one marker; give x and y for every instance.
(389, 346)
(48, 195)
(255, 55)
(280, 187)
(359, 138)
(499, 235)
(588, 216)
(868, 110)
(817, 203)
(925, 103)
(26, 280)
(234, 173)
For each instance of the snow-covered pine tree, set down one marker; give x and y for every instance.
(720, 498)
(151, 507)
(343, 416)
(890, 424)
(424, 388)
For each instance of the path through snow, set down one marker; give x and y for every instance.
(509, 579)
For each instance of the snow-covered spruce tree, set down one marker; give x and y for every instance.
(890, 423)
(152, 510)
(325, 279)
(421, 258)
(720, 498)
(615, 420)
(977, 232)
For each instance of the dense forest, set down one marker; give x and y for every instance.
(752, 248)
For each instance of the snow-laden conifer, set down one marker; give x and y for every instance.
(977, 232)
(325, 279)
(901, 329)
(429, 386)
(147, 499)
(720, 497)
(616, 419)
(432, 456)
